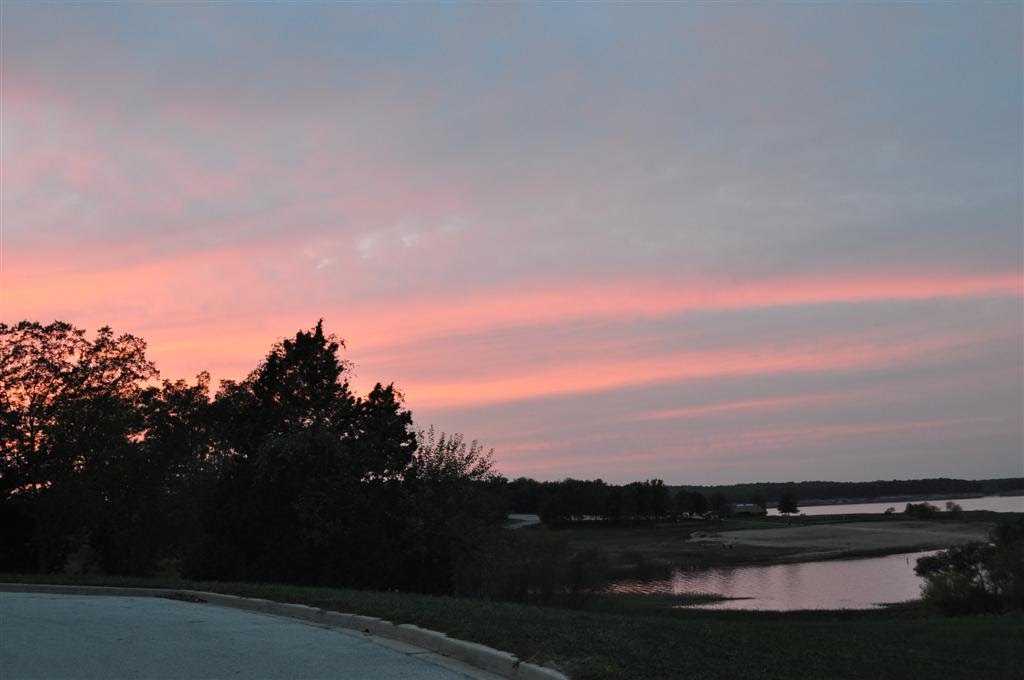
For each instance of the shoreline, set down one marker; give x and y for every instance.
(908, 498)
(654, 570)
(652, 553)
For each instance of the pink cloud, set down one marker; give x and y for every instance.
(205, 309)
(602, 374)
(773, 439)
(737, 406)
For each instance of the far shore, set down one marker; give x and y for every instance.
(907, 498)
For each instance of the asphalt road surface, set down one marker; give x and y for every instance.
(53, 637)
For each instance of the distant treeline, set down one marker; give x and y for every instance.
(594, 500)
(865, 490)
(574, 499)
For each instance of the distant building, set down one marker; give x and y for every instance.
(748, 510)
(520, 521)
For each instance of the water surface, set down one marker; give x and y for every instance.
(835, 584)
(993, 503)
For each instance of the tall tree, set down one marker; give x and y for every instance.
(310, 487)
(71, 424)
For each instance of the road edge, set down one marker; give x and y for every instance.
(479, 656)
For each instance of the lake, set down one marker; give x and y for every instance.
(863, 583)
(834, 584)
(993, 503)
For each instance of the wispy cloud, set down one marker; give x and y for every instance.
(608, 240)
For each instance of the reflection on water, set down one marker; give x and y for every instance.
(993, 503)
(837, 584)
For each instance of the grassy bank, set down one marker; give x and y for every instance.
(772, 540)
(620, 639)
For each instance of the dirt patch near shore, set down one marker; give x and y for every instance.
(895, 535)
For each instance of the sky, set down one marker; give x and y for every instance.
(707, 243)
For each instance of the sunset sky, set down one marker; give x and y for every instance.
(709, 243)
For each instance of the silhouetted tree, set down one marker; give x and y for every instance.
(684, 502)
(978, 577)
(720, 505)
(632, 503)
(70, 422)
(311, 481)
(660, 502)
(453, 502)
(613, 503)
(525, 495)
(788, 503)
(700, 503)
(177, 473)
(924, 510)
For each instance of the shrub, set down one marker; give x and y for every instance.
(977, 577)
(532, 566)
(921, 510)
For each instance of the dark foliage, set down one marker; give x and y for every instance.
(691, 503)
(72, 416)
(532, 566)
(453, 506)
(284, 476)
(311, 489)
(720, 504)
(921, 510)
(788, 503)
(772, 491)
(978, 577)
(575, 500)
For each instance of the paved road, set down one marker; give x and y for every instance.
(114, 638)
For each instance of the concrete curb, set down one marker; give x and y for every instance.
(479, 656)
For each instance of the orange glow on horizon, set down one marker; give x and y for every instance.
(220, 311)
(599, 375)
(199, 310)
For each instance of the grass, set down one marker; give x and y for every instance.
(641, 549)
(648, 550)
(630, 638)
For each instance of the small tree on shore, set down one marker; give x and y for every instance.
(921, 510)
(787, 503)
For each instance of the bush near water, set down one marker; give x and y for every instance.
(978, 577)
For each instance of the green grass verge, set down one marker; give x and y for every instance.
(626, 638)
(653, 549)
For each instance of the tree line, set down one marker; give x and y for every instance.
(879, 489)
(573, 500)
(286, 475)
